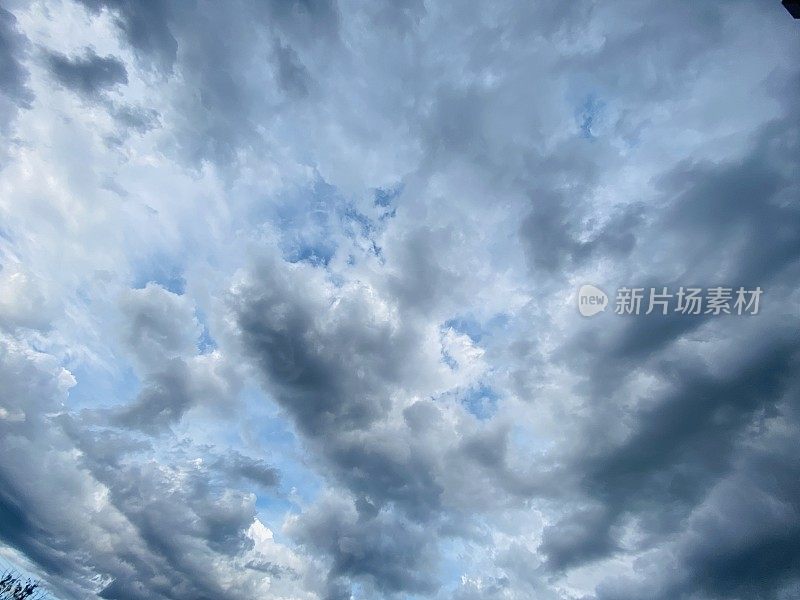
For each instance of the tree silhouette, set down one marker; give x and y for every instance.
(14, 587)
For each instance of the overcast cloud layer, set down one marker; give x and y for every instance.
(287, 299)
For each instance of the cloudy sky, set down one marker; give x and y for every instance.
(288, 299)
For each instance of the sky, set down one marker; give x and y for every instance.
(289, 299)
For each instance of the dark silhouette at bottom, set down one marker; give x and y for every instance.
(14, 587)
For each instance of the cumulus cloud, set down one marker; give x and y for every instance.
(121, 526)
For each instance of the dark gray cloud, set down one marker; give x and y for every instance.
(553, 236)
(729, 223)
(393, 555)
(271, 569)
(254, 470)
(292, 75)
(15, 92)
(13, 74)
(88, 74)
(145, 25)
(326, 392)
(156, 29)
(741, 542)
(230, 85)
(163, 400)
(161, 332)
(580, 537)
(158, 325)
(136, 118)
(336, 398)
